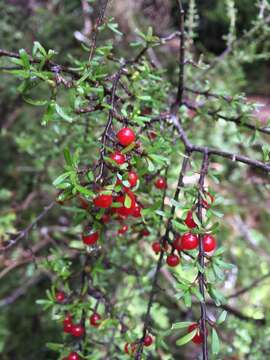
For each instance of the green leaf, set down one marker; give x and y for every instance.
(181, 325)
(187, 299)
(127, 202)
(222, 317)
(25, 58)
(187, 338)
(35, 102)
(68, 157)
(196, 292)
(55, 346)
(61, 178)
(61, 112)
(215, 342)
(114, 27)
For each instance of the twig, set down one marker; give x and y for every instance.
(28, 229)
(160, 260)
(95, 29)
(201, 276)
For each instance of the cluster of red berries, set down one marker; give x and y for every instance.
(127, 202)
(131, 348)
(188, 241)
(77, 330)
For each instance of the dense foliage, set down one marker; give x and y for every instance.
(135, 190)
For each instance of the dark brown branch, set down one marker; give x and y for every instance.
(28, 229)
(201, 276)
(249, 287)
(212, 151)
(238, 314)
(95, 30)
(180, 90)
(180, 184)
(237, 120)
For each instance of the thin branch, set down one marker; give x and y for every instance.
(180, 90)
(212, 151)
(28, 229)
(237, 120)
(249, 287)
(201, 276)
(95, 30)
(160, 260)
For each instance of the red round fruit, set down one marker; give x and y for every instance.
(77, 330)
(90, 239)
(123, 229)
(130, 348)
(132, 178)
(198, 338)
(173, 260)
(103, 201)
(105, 218)
(177, 244)
(189, 220)
(148, 340)
(160, 183)
(73, 356)
(60, 296)
(126, 136)
(189, 241)
(156, 247)
(152, 135)
(67, 320)
(136, 211)
(145, 232)
(118, 157)
(209, 243)
(95, 319)
(68, 328)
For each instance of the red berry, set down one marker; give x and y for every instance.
(209, 243)
(132, 178)
(118, 157)
(173, 260)
(67, 320)
(73, 356)
(77, 330)
(123, 229)
(130, 348)
(95, 319)
(189, 220)
(152, 135)
(177, 244)
(198, 338)
(68, 328)
(60, 296)
(156, 247)
(126, 136)
(160, 183)
(189, 241)
(148, 340)
(145, 232)
(136, 211)
(103, 201)
(105, 218)
(91, 238)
